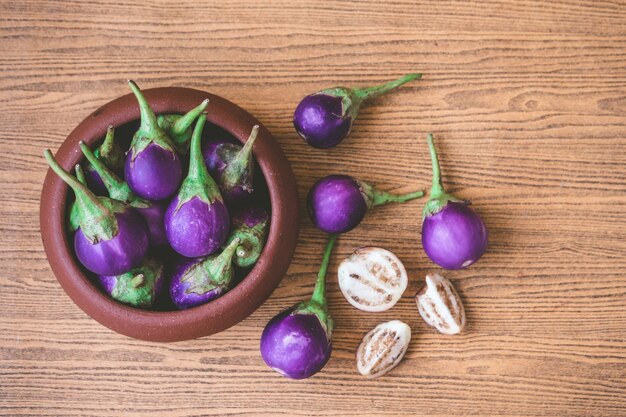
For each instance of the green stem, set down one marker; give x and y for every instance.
(437, 187)
(181, 125)
(245, 153)
(382, 197)
(319, 293)
(220, 265)
(197, 167)
(378, 90)
(137, 280)
(108, 144)
(88, 202)
(80, 174)
(148, 118)
(109, 179)
(90, 213)
(239, 168)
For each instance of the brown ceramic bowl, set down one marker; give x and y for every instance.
(217, 315)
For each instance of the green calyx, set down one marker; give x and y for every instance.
(251, 243)
(138, 286)
(74, 210)
(216, 271)
(375, 197)
(352, 98)
(317, 305)
(240, 167)
(179, 127)
(96, 215)
(118, 189)
(438, 197)
(109, 152)
(149, 131)
(198, 182)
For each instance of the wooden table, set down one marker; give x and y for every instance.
(528, 102)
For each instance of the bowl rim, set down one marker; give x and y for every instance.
(206, 319)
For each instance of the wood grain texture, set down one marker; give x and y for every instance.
(528, 102)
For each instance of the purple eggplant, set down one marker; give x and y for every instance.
(112, 238)
(297, 342)
(196, 220)
(153, 212)
(139, 287)
(232, 166)
(324, 118)
(453, 235)
(198, 281)
(111, 155)
(250, 226)
(179, 127)
(338, 203)
(153, 169)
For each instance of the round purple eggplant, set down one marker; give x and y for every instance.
(196, 220)
(297, 343)
(153, 169)
(111, 156)
(453, 235)
(179, 127)
(232, 166)
(112, 238)
(250, 226)
(198, 281)
(324, 118)
(338, 203)
(140, 287)
(152, 211)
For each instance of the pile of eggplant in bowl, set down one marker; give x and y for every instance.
(169, 214)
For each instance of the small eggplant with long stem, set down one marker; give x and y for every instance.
(232, 166)
(153, 212)
(324, 119)
(338, 203)
(139, 287)
(297, 342)
(196, 220)
(250, 226)
(453, 235)
(198, 281)
(153, 168)
(180, 127)
(112, 238)
(111, 156)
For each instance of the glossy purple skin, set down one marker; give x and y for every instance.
(295, 346)
(214, 163)
(454, 237)
(154, 217)
(154, 174)
(118, 255)
(318, 120)
(196, 228)
(178, 289)
(336, 204)
(216, 166)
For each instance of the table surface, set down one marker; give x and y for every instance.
(528, 102)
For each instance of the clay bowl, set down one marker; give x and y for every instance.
(217, 315)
